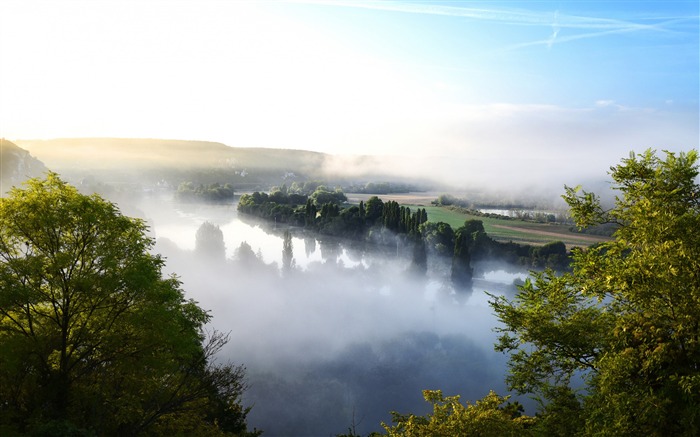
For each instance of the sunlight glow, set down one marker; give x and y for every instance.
(388, 78)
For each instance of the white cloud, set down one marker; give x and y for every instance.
(604, 103)
(537, 147)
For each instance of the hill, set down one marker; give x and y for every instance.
(120, 160)
(17, 165)
(107, 153)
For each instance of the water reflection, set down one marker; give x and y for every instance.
(348, 332)
(178, 223)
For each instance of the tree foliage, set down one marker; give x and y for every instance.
(287, 252)
(215, 192)
(92, 339)
(626, 321)
(209, 242)
(323, 195)
(490, 416)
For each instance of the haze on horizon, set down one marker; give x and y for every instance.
(472, 90)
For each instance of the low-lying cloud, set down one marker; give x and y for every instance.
(334, 344)
(526, 147)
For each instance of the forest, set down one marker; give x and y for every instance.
(97, 340)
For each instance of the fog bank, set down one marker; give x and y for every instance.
(341, 340)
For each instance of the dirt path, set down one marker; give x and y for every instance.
(413, 198)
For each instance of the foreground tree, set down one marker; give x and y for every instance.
(490, 416)
(92, 339)
(626, 321)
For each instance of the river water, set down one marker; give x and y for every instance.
(343, 339)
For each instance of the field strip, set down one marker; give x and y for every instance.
(558, 235)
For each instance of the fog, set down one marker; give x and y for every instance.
(533, 174)
(343, 338)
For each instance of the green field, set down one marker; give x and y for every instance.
(518, 231)
(513, 230)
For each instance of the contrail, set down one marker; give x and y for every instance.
(550, 41)
(555, 30)
(517, 17)
(596, 26)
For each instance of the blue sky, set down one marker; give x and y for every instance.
(559, 85)
(564, 53)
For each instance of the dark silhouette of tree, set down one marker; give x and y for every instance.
(462, 271)
(419, 261)
(373, 210)
(287, 252)
(209, 242)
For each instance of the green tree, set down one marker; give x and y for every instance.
(373, 209)
(323, 195)
(486, 417)
(439, 237)
(212, 192)
(470, 240)
(551, 255)
(310, 212)
(462, 270)
(92, 338)
(625, 321)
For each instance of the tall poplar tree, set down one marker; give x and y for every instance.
(287, 252)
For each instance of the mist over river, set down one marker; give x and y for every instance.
(343, 339)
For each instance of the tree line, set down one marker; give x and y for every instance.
(389, 223)
(215, 192)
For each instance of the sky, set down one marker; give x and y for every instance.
(565, 84)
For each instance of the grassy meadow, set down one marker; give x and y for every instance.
(515, 230)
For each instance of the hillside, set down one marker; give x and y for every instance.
(148, 161)
(17, 165)
(108, 153)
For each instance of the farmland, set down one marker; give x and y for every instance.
(515, 230)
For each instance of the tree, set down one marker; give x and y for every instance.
(92, 338)
(470, 240)
(419, 260)
(323, 195)
(373, 209)
(245, 256)
(439, 237)
(486, 417)
(462, 270)
(287, 252)
(552, 255)
(625, 321)
(209, 242)
(310, 212)
(187, 191)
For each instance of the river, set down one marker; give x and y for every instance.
(343, 339)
